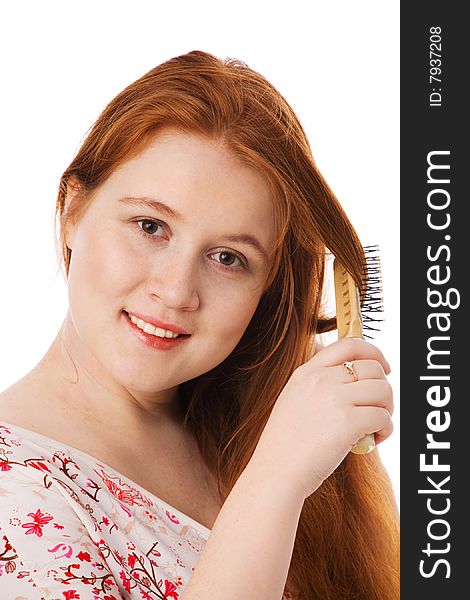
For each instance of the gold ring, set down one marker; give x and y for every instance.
(350, 369)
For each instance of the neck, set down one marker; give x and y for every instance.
(82, 387)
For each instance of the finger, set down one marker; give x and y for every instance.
(374, 420)
(349, 349)
(372, 392)
(380, 437)
(364, 369)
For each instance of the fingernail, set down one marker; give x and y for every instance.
(389, 368)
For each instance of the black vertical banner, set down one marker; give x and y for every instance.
(435, 368)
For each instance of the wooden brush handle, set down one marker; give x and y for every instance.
(348, 316)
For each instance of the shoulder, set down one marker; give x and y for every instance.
(48, 508)
(32, 473)
(19, 402)
(37, 474)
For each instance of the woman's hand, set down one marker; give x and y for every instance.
(322, 412)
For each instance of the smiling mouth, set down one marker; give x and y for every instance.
(152, 330)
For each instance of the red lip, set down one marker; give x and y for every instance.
(157, 323)
(154, 341)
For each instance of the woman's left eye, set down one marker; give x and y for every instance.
(224, 253)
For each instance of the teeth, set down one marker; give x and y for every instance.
(148, 328)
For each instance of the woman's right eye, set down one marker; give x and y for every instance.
(148, 227)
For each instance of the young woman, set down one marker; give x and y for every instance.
(183, 437)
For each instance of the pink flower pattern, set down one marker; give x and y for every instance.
(73, 528)
(39, 520)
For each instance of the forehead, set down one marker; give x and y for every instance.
(195, 176)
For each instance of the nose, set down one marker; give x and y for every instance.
(173, 279)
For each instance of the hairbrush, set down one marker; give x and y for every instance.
(358, 313)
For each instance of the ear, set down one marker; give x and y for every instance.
(71, 221)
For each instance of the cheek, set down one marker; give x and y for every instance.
(100, 270)
(232, 315)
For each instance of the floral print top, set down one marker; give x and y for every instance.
(72, 527)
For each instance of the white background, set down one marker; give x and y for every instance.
(336, 63)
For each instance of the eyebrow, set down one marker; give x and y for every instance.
(158, 205)
(155, 204)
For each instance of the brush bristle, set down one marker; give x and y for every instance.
(371, 297)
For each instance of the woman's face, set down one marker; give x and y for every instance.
(179, 263)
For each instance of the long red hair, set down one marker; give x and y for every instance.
(347, 544)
